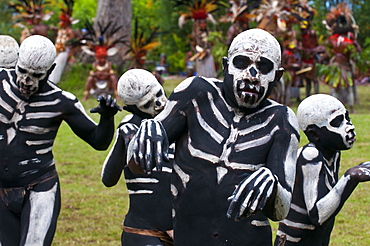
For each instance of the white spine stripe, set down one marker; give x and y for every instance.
(10, 134)
(221, 172)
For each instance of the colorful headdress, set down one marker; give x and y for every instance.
(67, 10)
(340, 20)
(240, 10)
(30, 11)
(198, 10)
(101, 41)
(140, 45)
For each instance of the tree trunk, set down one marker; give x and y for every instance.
(120, 13)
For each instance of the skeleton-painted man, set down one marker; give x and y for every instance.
(318, 194)
(31, 111)
(150, 213)
(235, 148)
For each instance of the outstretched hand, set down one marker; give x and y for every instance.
(107, 107)
(149, 147)
(360, 173)
(251, 194)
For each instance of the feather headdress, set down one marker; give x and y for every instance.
(30, 11)
(101, 41)
(198, 10)
(140, 45)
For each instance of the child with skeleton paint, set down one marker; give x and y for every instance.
(318, 194)
(149, 218)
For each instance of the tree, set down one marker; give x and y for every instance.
(119, 12)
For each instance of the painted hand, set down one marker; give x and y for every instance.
(149, 147)
(251, 194)
(360, 173)
(107, 106)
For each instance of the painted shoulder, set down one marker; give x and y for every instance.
(197, 84)
(309, 154)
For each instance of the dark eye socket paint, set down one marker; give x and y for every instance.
(241, 62)
(147, 105)
(337, 121)
(265, 65)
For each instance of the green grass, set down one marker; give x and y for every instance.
(92, 214)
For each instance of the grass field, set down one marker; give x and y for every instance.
(92, 214)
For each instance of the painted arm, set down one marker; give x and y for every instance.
(321, 209)
(116, 159)
(98, 136)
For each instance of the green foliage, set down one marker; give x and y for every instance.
(362, 59)
(219, 49)
(84, 10)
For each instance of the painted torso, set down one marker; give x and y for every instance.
(298, 226)
(28, 128)
(216, 148)
(150, 196)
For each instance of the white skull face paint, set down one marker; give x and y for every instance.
(140, 88)
(327, 111)
(36, 56)
(254, 57)
(8, 51)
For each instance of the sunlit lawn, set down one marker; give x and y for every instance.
(92, 214)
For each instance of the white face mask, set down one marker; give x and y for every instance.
(326, 111)
(36, 56)
(338, 122)
(140, 88)
(254, 58)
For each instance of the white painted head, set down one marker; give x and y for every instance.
(140, 88)
(36, 56)
(254, 57)
(9, 49)
(327, 112)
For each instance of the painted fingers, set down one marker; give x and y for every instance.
(251, 194)
(150, 146)
(107, 106)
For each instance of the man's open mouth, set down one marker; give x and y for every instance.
(246, 88)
